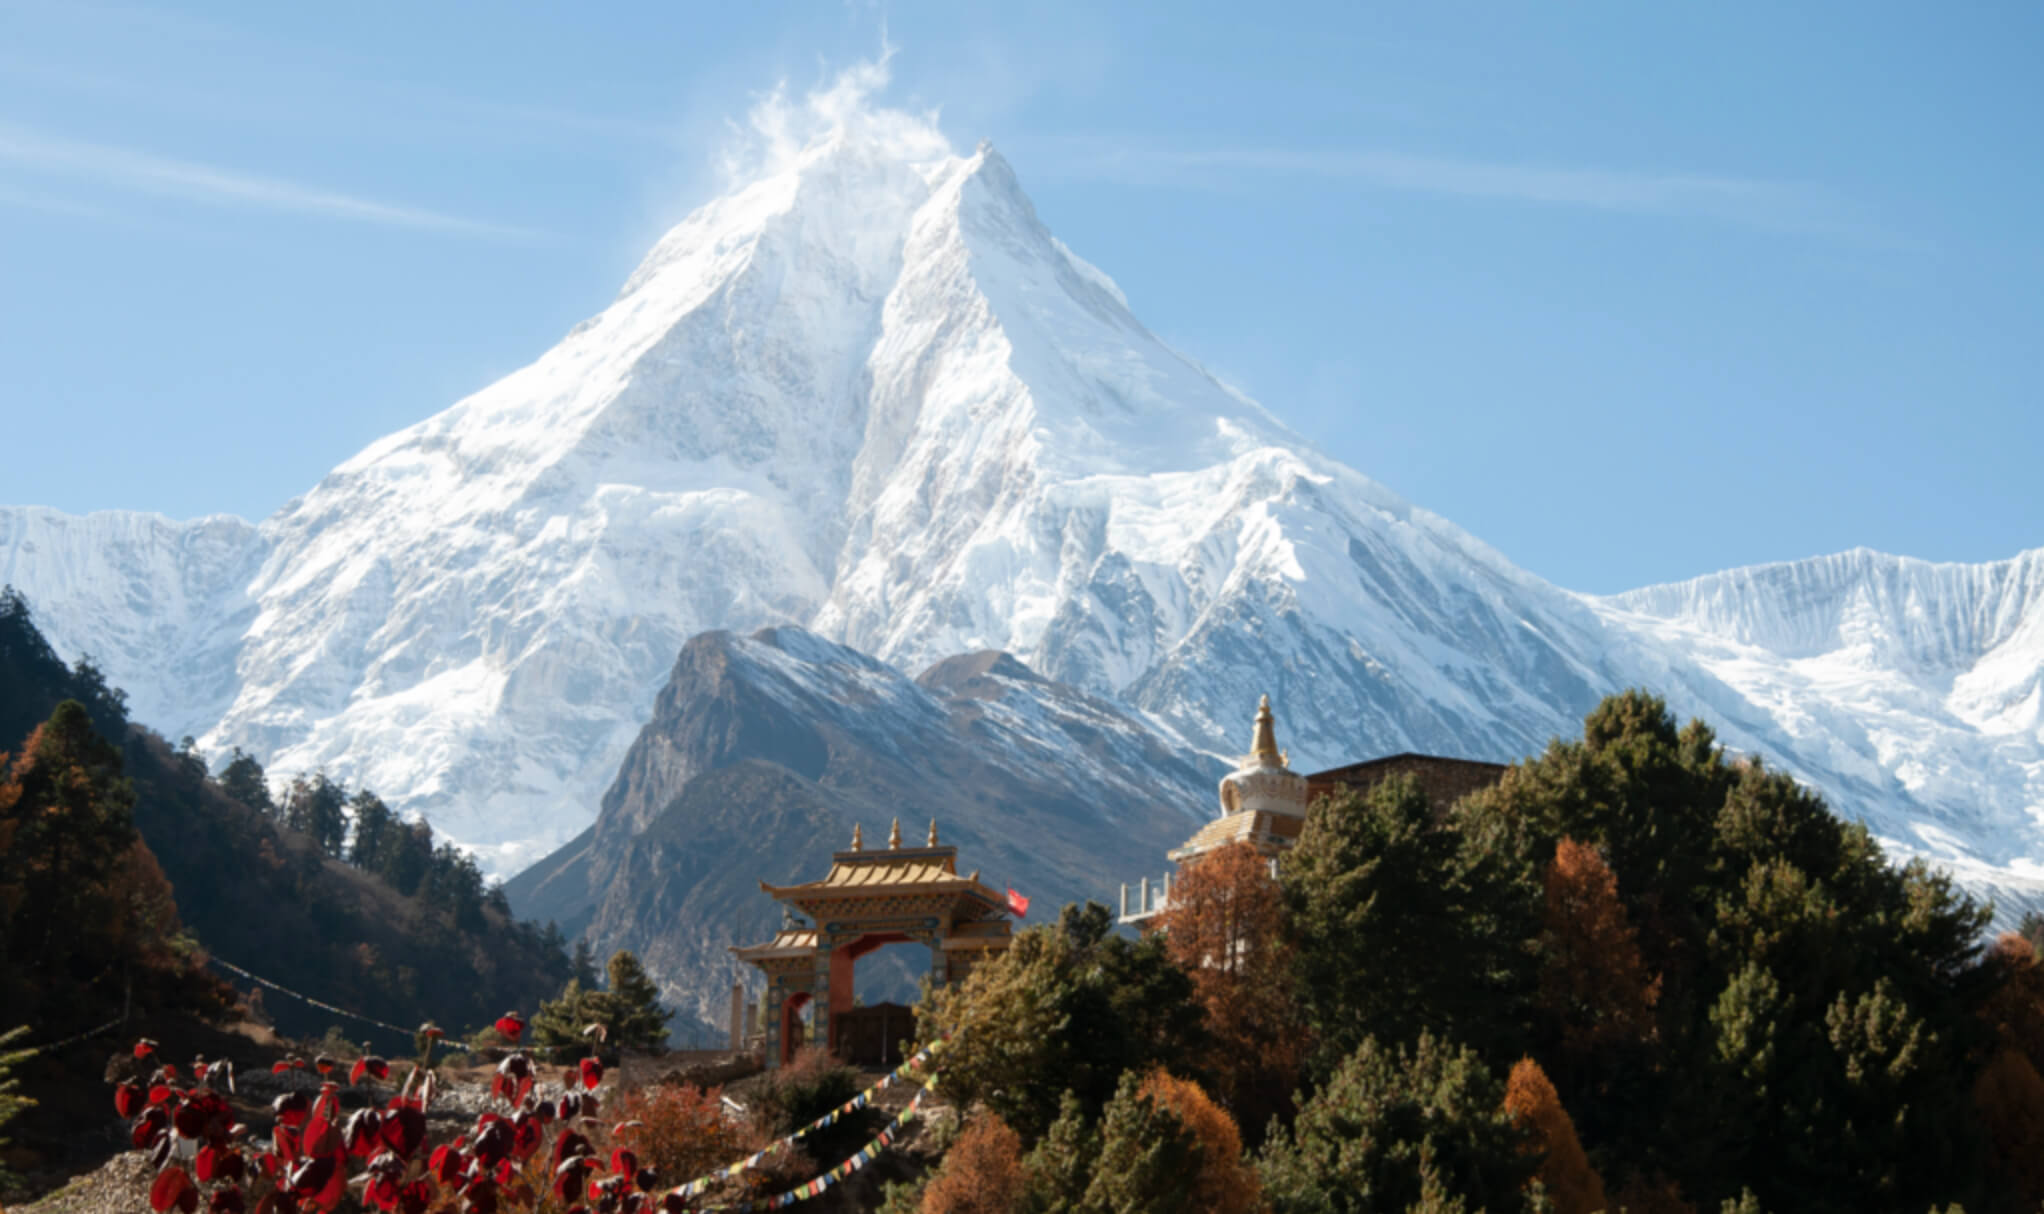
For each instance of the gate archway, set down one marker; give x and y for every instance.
(869, 899)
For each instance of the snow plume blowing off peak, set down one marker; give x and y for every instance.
(865, 391)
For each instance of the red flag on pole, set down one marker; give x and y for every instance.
(1018, 904)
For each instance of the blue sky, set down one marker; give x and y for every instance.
(1632, 292)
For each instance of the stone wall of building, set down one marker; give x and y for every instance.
(1444, 780)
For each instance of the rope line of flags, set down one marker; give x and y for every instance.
(73, 1040)
(409, 1034)
(811, 1188)
(860, 1101)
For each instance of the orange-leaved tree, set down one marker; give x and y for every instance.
(1225, 927)
(1592, 980)
(2009, 1092)
(1572, 1184)
(982, 1172)
(1226, 1183)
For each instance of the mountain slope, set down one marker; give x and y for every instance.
(871, 394)
(764, 752)
(1912, 692)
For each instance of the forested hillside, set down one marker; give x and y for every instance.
(376, 918)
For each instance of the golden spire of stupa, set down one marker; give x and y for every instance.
(858, 840)
(894, 834)
(933, 832)
(1265, 747)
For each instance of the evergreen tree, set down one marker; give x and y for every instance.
(65, 809)
(558, 1027)
(1402, 930)
(375, 830)
(1815, 1038)
(1061, 1166)
(318, 807)
(632, 1009)
(582, 965)
(1392, 1129)
(190, 759)
(1071, 1000)
(243, 779)
(407, 862)
(1149, 1162)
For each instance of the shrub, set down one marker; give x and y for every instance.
(808, 1086)
(682, 1131)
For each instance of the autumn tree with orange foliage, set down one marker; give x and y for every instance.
(982, 1172)
(2009, 1092)
(1225, 926)
(1593, 981)
(1573, 1186)
(1226, 1184)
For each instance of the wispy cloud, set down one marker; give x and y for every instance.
(148, 173)
(1782, 205)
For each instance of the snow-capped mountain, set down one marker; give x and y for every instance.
(869, 393)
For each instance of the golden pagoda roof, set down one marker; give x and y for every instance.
(788, 942)
(932, 870)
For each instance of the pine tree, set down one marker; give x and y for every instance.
(582, 965)
(1071, 1000)
(558, 1027)
(1571, 1183)
(69, 824)
(1395, 1128)
(632, 1008)
(243, 779)
(318, 807)
(1061, 1165)
(1149, 1162)
(375, 830)
(1400, 931)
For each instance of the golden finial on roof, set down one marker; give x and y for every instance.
(858, 840)
(974, 876)
(894, 834)
(933, 832)
(1265, 744)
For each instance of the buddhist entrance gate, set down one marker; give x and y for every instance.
(870, 898)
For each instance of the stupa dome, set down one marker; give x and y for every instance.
(1264, 780)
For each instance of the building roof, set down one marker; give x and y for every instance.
(788, 942)
(1348, 770)
(865, 872)
(1249, 826)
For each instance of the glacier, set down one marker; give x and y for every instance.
(868, 393)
